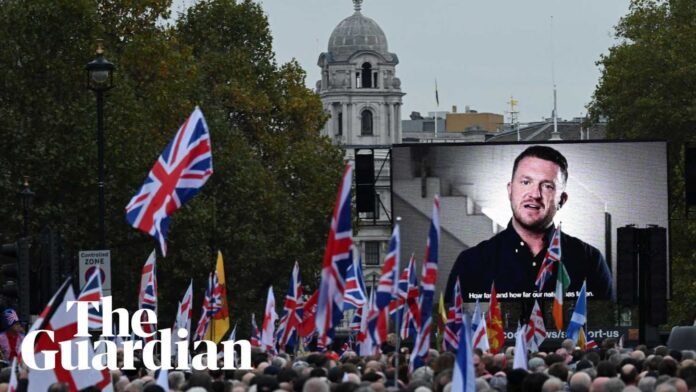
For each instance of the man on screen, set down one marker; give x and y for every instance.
(512, 257)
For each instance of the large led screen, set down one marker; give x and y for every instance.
(609, 185)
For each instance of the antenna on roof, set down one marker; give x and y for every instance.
(554, 135)
(514, 121)
(357, 5)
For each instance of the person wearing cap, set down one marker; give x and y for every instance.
(11, 338)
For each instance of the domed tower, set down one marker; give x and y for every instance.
(358, 86)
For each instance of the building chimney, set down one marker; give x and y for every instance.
(454, 108)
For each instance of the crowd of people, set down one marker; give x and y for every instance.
(606, 369)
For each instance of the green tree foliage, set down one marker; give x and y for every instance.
(648, 91)
(269, 200)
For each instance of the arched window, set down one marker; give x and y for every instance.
(366, 123)
(366, 75)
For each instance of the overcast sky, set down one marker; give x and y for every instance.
(480, 51)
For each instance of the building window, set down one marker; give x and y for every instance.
(367, 75)
(366, 123)
(339, 128)
(372, 256)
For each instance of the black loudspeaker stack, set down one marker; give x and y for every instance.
(365, 182)
(642, 272)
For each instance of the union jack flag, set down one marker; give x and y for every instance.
(177, 176)
(255, 338)
(553, 255)
(428, 280)
(455, 317)
(206, 310)
(216, 295)
(357, 319)
(411, 319)
(292, 311)
(377, 325)
(147, 299)
(396, 306)
(355, 285)
(386, 289)
(337, 259)
(92, 291)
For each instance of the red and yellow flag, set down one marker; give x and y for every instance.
(494, 321)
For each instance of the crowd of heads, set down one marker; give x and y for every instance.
(566, 369)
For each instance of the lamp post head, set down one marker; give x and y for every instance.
(100, 71)
(26, 196)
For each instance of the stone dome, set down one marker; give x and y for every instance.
(355, 33)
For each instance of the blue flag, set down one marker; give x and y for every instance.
(579, 317)
(464, 379)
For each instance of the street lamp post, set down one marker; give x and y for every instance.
(100, 78)
(26, 196)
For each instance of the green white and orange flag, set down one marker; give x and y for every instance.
(220, 323)
(494, 321)
(562, 283)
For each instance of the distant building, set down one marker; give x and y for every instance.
(543, 131)
(470, 119)
(358, 87)
(469, 126)
(362, 95)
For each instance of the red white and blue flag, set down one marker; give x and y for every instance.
(411, 318)
(255, 338)
(387, 286)
(377, 324)
(355, 285)
(337, 259)
(396, 306)
(427, 294)
(147, 298)
(92, 292)
(455, 317)
(553, 255)
(207, 309)
(178, 175)
(292, 311)
(356, 320)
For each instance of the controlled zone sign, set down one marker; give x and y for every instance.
(96, 259)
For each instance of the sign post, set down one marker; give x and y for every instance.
(96, 259)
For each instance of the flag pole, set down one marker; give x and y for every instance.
(398, 329)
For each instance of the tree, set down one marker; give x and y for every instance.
(269, 200)
(647, 90)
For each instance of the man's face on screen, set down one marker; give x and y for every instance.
(536, 193)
